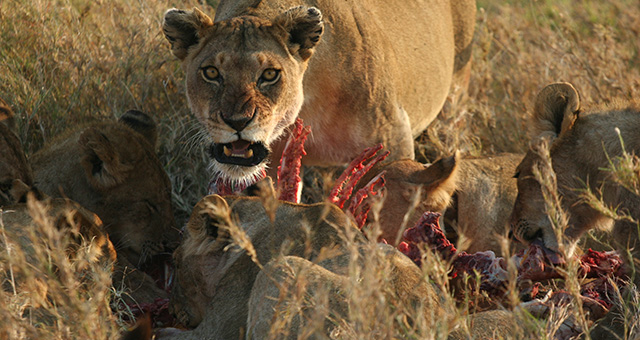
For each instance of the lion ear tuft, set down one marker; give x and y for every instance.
(304, 27)
(184, 29)
(141, 123)
(211, 216)
(556, 109)
(439, 181)
(101, 161)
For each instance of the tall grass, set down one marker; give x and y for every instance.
(69, 62)
(55, 282)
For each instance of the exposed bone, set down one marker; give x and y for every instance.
(360, 210)
(353, 173)
(289, 183)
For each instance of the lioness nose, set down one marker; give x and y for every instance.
(238, 123)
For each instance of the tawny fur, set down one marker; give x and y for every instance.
(582, 144)
(367, 72)
(112, 169)
(306, 251)
(15, 172)
(80, 225)
(475, 195)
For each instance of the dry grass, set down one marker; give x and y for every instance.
(67, 62)
(54, 285)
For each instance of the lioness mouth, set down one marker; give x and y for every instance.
(240, 152)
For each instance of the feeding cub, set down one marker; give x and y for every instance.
(583, 146)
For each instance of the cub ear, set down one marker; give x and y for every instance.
(141, 123)
(184, 29)
(439, 181)
(556, 109)
(211, 216)
(304, 27)
(101, 161)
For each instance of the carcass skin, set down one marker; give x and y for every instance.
(536, 263)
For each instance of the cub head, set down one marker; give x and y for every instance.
(205, 265)
(128, 187)
(403, 179)
(556, 110)
(15, 173)
(243, 80)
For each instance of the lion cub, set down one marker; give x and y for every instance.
(112, 169)
(475, 194)
(580, 147)
(250, 267)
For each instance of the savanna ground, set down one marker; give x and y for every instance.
(68, 62)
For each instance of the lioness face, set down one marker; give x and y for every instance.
(245, 92)
(244, 80)
(141, 222)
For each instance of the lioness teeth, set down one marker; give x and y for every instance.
(226, 150)
(248, 153)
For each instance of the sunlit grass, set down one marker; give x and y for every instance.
(69, 62)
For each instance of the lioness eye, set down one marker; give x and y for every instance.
(210, 73)
(270, 75)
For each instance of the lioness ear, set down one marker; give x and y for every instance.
(304, 27)
(556, 109)
(184, 29)
(439, 181)
(101, 162)
(141, 123)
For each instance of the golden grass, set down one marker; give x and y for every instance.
(66, 62)
(48, 291)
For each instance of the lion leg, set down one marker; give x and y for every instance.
(396, 134)
(292, 295)
(464, 17)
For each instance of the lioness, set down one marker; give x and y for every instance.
(380, 75)
(583, 144)
(476, 196)
(15, 173)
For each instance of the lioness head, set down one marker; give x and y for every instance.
(576, 150)
(15, 172)
(243, 80)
